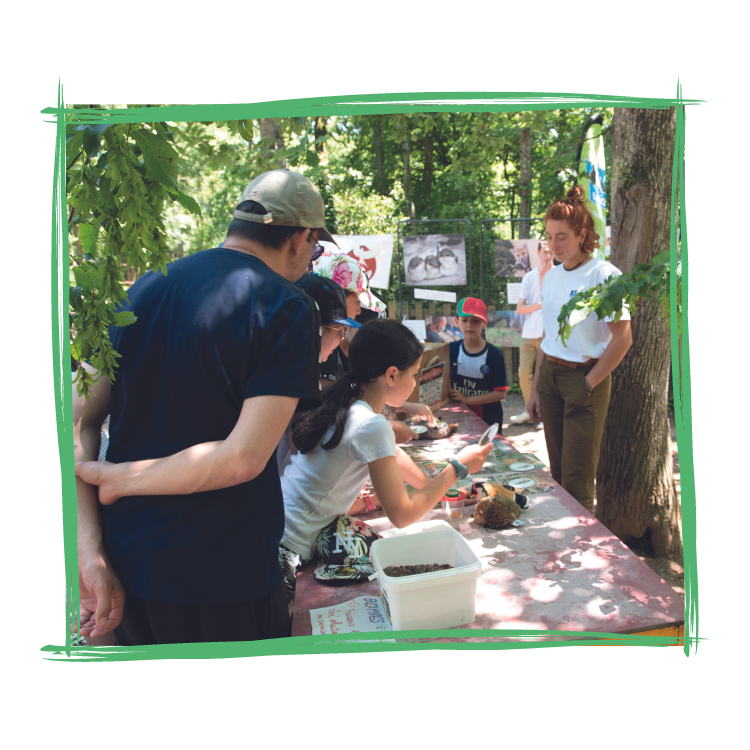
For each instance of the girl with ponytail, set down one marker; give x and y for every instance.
(347, 438)
(571, 386)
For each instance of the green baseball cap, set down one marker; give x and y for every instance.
(290, 200)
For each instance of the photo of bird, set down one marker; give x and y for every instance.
(416, 269)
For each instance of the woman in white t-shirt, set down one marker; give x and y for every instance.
(347, 438)
(572, 381)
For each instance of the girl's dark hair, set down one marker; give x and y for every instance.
(573, 209)
(378, 345)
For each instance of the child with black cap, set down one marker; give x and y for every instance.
(330, 300)
(478, 376)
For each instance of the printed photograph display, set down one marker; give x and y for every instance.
(442, 329)
(504, 328)
(515, 258)
(435, 260)
(373, 251)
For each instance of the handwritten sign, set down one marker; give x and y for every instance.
(514, 293)
(361, 615)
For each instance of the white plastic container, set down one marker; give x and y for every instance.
(443, 599)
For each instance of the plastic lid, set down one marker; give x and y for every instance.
(452, 496)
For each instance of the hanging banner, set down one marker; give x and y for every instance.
(373, 251)
(435, 260)
(592, 177)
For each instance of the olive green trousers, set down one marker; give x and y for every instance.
(573, 426)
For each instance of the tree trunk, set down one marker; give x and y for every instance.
(636, 497)
(271, 140)
(524, 186)
(321, 130)
(428, 162)
(405, 148)
(377, 145)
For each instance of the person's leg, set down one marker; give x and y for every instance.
(553, 409)
(135, 628)
(526, 357)
(168, 622)
(582, 435)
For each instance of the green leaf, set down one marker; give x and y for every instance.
(124, 318)
(83, 278)
(189, 203)
(74, 297)
(579, 316)
(159, 158)
(87, 237)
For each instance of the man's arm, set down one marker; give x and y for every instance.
(200, 468)
(101, 595)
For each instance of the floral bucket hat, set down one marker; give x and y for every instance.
(350, 275)
(344, 550)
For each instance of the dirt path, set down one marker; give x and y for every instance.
(530, 440)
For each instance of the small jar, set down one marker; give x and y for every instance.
(453, 504)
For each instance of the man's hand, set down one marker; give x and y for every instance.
(102, 598)
(456, 395)
(105, 474)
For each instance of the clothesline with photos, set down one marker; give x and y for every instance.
(436, 260)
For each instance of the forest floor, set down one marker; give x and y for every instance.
(528, 439)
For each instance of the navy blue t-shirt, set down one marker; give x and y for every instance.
(219, 328)
(477, 374)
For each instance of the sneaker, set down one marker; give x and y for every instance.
(540, 426)
(521, 418)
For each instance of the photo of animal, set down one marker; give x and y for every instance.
(515, 258)
(435, 260)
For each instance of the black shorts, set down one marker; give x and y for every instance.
(147, 623)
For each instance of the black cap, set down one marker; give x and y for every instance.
(330, 298)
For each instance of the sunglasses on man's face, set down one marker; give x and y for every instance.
(318, 250)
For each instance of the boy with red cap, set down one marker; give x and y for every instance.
(477, 367)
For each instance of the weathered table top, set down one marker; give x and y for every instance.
(561, 570)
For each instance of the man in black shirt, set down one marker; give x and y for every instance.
(224, 348)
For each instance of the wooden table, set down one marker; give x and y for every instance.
(561, 570)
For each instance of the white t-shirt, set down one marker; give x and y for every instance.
(533, 325)
(320, 485)
(591, 336)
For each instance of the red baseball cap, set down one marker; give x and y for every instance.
(471, 307)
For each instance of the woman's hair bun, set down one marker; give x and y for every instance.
(575, 193)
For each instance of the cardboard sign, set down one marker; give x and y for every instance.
(431, 384)
(434, 383)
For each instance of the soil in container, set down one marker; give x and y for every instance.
(396, 571)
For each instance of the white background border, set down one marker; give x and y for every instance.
(614, 697)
